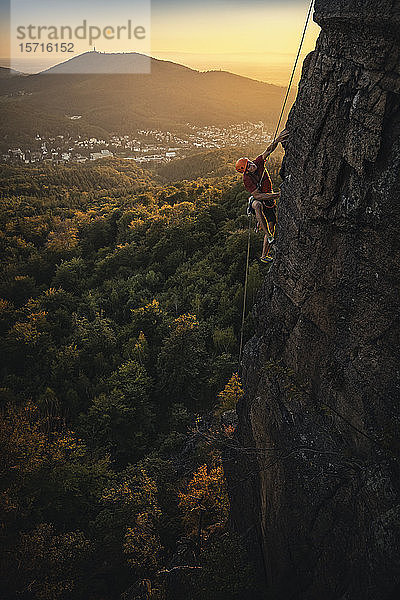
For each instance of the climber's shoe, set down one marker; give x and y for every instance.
(266, 259)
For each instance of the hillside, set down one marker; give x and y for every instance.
(213, 164)
(120, 316)
(6, 72)
(101, 63)
(166, 99)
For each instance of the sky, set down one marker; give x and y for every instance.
(255, 38)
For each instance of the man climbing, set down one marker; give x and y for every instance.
(262, 202)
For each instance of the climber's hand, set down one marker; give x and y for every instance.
(283, 136)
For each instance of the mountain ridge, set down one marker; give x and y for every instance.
(93, 59)
(168, 99)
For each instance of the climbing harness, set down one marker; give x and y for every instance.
(249, 212)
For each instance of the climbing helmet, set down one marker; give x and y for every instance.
(241, 165)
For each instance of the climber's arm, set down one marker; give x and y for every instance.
(282, 137)
(269, 149)
(265, 196)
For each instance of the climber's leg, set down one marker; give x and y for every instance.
(258, 209)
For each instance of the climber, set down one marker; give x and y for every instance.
(262, 202)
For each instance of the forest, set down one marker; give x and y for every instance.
(121, 302)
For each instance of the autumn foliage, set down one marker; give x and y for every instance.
(205, 493)
(120, 314)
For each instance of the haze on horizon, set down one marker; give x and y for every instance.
(258, 39)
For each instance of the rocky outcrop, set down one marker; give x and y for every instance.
(315, 483)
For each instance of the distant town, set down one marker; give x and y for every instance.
(144, 146)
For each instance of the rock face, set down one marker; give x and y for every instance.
(315, 483)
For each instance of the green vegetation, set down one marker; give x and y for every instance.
(214, 164)
(120, 314)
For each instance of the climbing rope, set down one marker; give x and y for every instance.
(245, 293)
(275, 134)
(294, 68)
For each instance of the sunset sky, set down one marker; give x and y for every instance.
(256, 38)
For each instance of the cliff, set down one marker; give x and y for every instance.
(315, 483)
